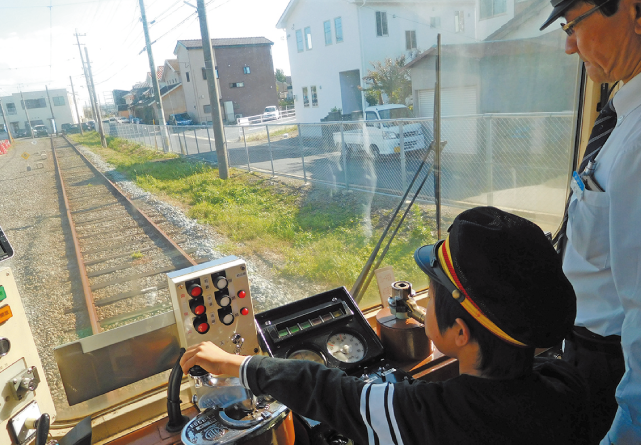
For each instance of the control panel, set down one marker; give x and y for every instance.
(24, 394)
(327, 328)
(212, 302)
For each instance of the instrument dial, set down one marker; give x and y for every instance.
(345, 347)
(307, 354)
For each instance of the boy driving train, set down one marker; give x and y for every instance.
(497, 292)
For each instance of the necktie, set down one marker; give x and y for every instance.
(603, 126)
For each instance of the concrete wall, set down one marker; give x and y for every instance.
(62, 113)
(174, 102)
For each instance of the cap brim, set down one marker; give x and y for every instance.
(557, 12)
(427, 259)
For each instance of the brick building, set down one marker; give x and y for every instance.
(245, 72)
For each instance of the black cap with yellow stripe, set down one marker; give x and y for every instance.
(506, 274)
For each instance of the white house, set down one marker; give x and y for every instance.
(332, 43)
(39, 109)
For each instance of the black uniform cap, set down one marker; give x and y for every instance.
(507, 272)
(560, 6)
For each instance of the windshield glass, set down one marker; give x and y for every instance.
(396, 113)
(309, 192)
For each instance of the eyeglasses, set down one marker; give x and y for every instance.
(569, 27)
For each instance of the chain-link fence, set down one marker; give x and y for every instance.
(514, 161)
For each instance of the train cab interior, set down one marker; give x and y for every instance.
(513, 114)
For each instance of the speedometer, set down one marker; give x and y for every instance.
(307, 354)
(347, 348)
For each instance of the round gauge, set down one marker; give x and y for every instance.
(346, 347)
(307, 354)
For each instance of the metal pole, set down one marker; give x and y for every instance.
(212, 86)
(401, 143)
(271, 155)
(84, 70)
(53, 118)
(6, 125)
(209, 140)
(344, 154)
(489, 149)
(185, 138)
(75, 102)
(24, 105)
(437, 138)
(103, 141)
(302, 152)
(160, 112)
(196, 137)
(246, 151)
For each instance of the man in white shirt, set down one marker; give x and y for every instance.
(602, 256)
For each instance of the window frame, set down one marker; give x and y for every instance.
(204, 73)
(313, 92)
(328, 32)
(187, 76)
(236, 84)
(246, 70)
(488, 9)
(305, 97)
(338, 24)
(60, 100)
(459, 21)
(410, 40)
(382, 27)
(300, 44)
(307, 32)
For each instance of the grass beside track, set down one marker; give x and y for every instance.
(306, 232)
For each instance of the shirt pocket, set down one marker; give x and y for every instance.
(589, 227)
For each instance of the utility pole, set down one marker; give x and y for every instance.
(160, 112)
(53, 118)
(6, 125)
(103, 141)
(212, 86)
(24, 104)
(84, 70)
(75, 102)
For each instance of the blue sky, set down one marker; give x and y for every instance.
(38, 47)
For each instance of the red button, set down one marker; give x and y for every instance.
(195, 290)
(202, 328)
(200, 309)
(244, 311)
(242, 294)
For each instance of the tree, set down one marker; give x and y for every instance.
(280, 75)
(389, 77)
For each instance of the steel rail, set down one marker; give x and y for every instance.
(132, 210)
(86, 288)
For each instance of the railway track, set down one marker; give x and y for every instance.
(122, 253)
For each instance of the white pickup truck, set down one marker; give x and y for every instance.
(383, 138)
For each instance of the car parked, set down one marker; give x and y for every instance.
(40, 131)
(180, 119)
(70, 128)
(21, 133)
(91, 124)
(271, 113)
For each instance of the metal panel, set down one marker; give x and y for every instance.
(107, 361)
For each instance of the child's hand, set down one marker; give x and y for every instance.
(211, 358)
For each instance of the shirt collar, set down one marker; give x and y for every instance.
(628, 97)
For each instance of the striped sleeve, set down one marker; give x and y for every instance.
(242, 372)
(377, 412)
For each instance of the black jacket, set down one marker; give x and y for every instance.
(547, 407)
